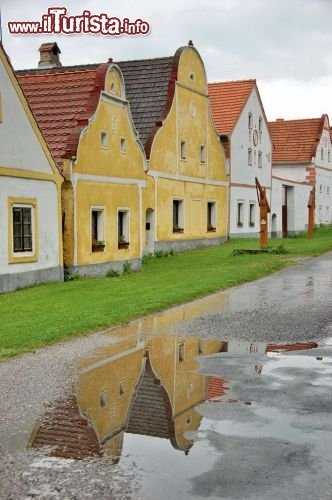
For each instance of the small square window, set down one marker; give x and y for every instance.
(183, 150)
(249, 157)
(123, 229)
(181, 352)
(103, 139)
(251, 214)
(97, 230)
(260, 124)
(211, 216)
(203, 154)
(177, 216)
(123, 145)
(260, 158)
(240, 213)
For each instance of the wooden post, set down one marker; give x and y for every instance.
(264, 209)
(311, 213)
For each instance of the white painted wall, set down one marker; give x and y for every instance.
(323, 161)
(295, 173)
(297, 205)
(246, 195)
(19, 145)
(241, 172)
(47, 212)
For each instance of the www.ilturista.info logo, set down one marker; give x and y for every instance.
(56, 21)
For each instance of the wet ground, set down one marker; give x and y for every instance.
(227, 397)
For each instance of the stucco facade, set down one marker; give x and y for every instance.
(30, 194)
(240, 120)
(186, 166)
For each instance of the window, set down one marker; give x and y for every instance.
(251, 213)
(320, 188)
(250, 121)
(328, 155)
(327, 214)
(114, 124)
(181, 352)
(260, 125)
(122, 388)
(240, 210)
(211, 216)
(183, 150)
(123, 229)
(328, 190)
(203, 154)
(22, 229)
(192, 77)
(177, 216)
(103, 139)
(260, 157)
(249, 156)
(123, 145)
(103, 399)
(322, 154)
(97, 230)
(320, 212)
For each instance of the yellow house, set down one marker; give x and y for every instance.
(30, 193)
(84, 115)
(185, 204)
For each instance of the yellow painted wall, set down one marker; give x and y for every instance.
(99, 154)
(110, 197)
(189, 120)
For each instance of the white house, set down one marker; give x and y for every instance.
(30, 193)
(301, 159)
(241, 123)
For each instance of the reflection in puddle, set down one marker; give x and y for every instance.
(147, 387)
(143, 386)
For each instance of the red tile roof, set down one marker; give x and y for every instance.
(61, 101)
(227, 101)
(295, 141)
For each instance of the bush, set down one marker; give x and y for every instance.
(127, 268)
(279, 250)
(71, 277)
(112, 273)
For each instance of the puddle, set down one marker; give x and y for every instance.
(200, 416)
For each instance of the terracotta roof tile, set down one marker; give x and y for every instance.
(227, 101)
(295, 141)
(61, 100)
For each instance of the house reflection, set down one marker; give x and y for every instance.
(136, 386)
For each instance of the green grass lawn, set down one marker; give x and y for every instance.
(44, 314)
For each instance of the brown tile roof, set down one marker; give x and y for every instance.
(67, 433)
(147, 84)
(227, 101)
(295, 141)
(62, 99)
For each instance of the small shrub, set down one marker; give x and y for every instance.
(159, 254)
(147, 257)
(171, 252)
(71, 277)
(112, 273)
(127, 268)
(279, 250)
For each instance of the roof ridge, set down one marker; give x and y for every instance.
(251, 80)
(283, 120)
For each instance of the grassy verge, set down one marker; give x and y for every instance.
(44, 314)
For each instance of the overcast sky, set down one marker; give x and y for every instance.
(285, 44)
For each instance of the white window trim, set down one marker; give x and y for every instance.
(239, 223)
(183, 213)
(33, 236)
(127, 210)
(98, 208)
(125, 144)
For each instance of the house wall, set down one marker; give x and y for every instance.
(28, 177)
(297, 207)
(323, 162)
(191, 180)
(242, 175)
(108, 178)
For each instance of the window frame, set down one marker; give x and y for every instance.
(250, 155)
(183, 150)
(211, 222)
(123, 239)
(240, 213)
(15, 257)
(251, 221)
(178, 221)
(97, 244)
